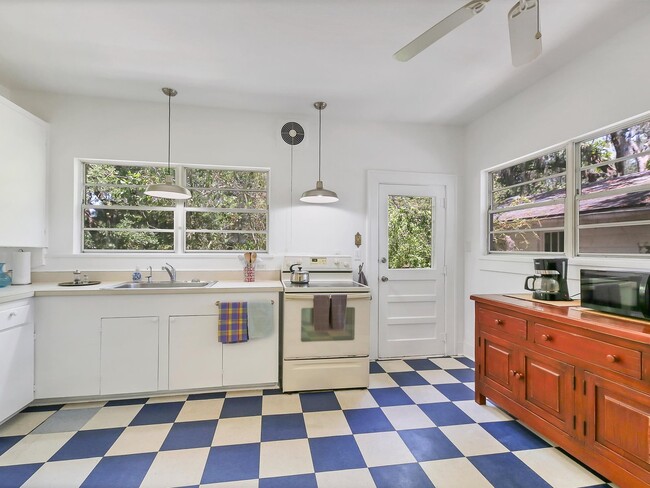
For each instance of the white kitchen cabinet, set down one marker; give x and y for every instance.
(23, 153)
(195, 354)
(16, 357)
(129, 355)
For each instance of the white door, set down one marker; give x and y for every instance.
(411, 270)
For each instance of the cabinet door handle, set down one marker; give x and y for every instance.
(546, 337)
(612, 358)
(498, 321)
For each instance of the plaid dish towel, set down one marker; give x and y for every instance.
(233, 322)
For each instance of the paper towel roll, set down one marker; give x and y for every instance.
(22, 268)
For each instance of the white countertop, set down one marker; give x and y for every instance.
(17, 292)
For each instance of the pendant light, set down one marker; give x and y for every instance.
(319, 194)
(168, 189)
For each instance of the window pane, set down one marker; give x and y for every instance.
(539, 191)
(630, 239)
(124, 175)
(618, 144)
(606, 177)
(226, 179)
(128, 219)
(533, 169)
(128, 241)
(208, 241)
(518, 241)
(543, 217)
(227, 199)
(132, 197)
(410, 224)
(625, 207)
(225, 221)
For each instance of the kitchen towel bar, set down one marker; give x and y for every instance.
(218, 303)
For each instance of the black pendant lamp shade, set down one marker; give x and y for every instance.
(168, 189)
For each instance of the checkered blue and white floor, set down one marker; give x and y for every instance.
(416, 426)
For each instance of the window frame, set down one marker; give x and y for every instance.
(178, 209)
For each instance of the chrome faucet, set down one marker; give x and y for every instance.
(170, 271)
(150, 277)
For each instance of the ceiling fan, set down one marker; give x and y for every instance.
(523, 24)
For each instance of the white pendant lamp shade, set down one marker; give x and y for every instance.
(319, 194)
(168, 189)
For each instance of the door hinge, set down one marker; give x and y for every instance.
(574, 422)
(584, 387)
(444, 337)
(584, 427)
(479, 341)
(444, 203)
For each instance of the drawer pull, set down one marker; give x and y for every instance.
(498, 321)
(612, 358)
(12, 315)
(546, 337)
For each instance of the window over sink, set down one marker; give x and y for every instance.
(228, 211)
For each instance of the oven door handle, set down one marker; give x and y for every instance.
(303, 296)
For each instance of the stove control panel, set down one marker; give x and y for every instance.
(319, 263)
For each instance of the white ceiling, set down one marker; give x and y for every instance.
(282, 55)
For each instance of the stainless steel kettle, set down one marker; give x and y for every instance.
(300, 277)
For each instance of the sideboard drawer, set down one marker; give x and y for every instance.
(502, 322)
(617, 358)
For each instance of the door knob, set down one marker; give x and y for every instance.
(383, 260)
(384, 278)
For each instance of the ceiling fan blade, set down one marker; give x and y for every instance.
(445, 26)
(525, 37)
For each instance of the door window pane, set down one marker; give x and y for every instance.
(410, 232)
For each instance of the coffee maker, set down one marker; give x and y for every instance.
(550, 280)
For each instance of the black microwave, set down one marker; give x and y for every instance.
(619, 292)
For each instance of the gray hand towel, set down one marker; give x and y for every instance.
(321, 312)
(260, 319)
(338, 306)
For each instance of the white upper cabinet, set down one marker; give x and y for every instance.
(23, 169)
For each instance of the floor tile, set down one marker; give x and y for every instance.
(176, 468)
(482, 413)
(557, 469)
(283, 427)
(126, 401)
(167, 399)
(466, 361)
(365, 420)
(77, 405)
(66, 421)
(407, 417)
(381, 380)
(189, 435)
(109, 417)
(207, 396)
(336, 453)
(43, 408)
(24, 423)
(463, 375)
(13, 476)
(35, 448)
(284, 458)
(232, 463)
(514, 436)
(140, 439)
(455, 473)
(209, 409)
(319, 401)
(438, 377)
(61, 474)
(349, 478)
(241, 407)
(325, 424)
(243, 393)
(408, 378)
(123, 471)
(349, 399)
(88, 444)
(243, 430)
(424, 394)
(387, 397)
(445, 413)
(157, 413)
(376, 368)
(297, 481)
(421, 364)
(254, 483)
(383, 449)
(507, 471)
(456, 392)
(429, 444)
(7, 443)
(402, 475)
(272, 391)
(394, 366)
(472, 440)
(278, 404)
(448, 363)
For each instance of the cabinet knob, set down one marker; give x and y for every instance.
(512, 372)
(612, 358)
(546, 337)
(498, 321)
(519, 376)
(12, 315)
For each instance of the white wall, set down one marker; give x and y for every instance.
(603, 87)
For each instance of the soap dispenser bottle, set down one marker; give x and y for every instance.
(137, 276)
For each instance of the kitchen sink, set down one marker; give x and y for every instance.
(163, 284)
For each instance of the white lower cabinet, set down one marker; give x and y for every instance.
(16, 357)
(195, 355)
(128, 355)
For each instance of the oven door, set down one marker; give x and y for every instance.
(302, 340)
